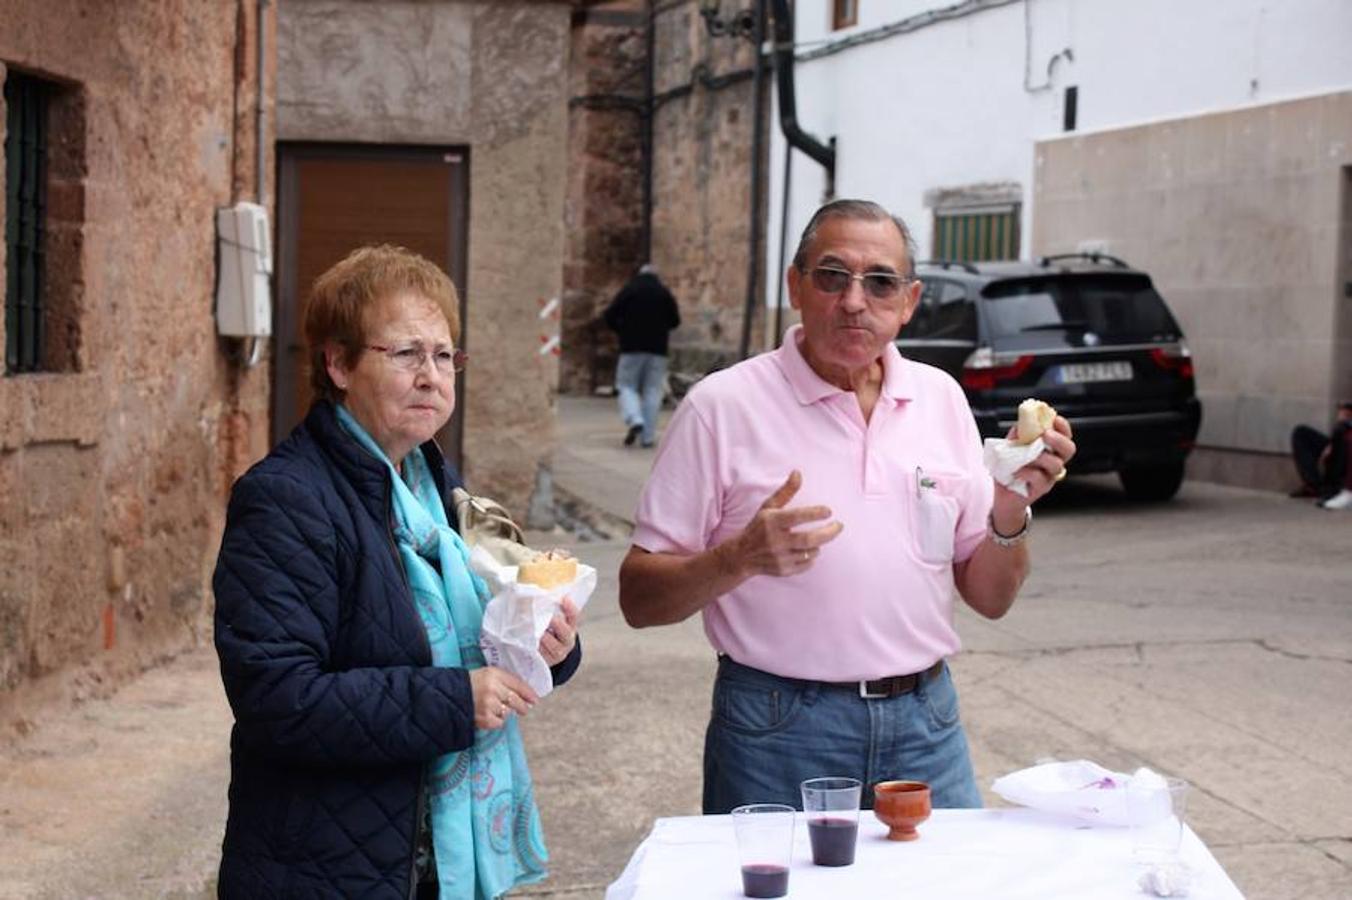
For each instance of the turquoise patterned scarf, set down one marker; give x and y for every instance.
(481, 797)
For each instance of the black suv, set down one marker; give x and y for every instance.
(1083, 331)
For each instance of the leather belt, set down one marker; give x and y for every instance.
(891, 686)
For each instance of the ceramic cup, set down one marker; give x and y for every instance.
(901, 806)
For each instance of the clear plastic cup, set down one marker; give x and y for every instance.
(1156, 811)
(832, 808)
(764, 847)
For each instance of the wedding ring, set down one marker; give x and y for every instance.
(806, 556)
(502, 709)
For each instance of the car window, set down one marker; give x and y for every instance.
(954, 316)
(1116, 309)
(942, 313)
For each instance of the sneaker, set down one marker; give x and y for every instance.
(632, 435)
(1340, 500)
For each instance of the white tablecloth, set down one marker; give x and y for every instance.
(1012, 854)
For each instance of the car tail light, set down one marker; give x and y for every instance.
(984, 368)
(1174, 358)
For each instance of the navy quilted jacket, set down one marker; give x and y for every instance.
(328, 671)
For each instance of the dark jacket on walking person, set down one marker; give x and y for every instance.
(643, 314)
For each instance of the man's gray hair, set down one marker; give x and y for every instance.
(647, 269)
(859, 210)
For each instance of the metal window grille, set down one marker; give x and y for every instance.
(975, 235)
(25, 218)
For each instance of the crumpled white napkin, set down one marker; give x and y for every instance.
(1166, 880)
(1004, 457)
(517, 615)
(1081, 789)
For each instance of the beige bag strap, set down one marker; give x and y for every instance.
(480, 516)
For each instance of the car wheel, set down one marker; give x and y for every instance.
(1152, 483)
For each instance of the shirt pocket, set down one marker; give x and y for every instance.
(935, 507)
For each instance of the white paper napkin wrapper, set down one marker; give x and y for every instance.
(517, 615)
(1171, 880)
(1003, 458)
(1080, 789)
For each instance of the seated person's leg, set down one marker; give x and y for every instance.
(1338, 471)
(1306, 446)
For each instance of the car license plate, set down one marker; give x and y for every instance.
(1082, 373)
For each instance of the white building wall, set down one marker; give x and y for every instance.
(960, 102)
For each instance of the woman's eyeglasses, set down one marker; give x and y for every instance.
(412, 357)
(878, 285)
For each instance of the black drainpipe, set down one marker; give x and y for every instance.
(646, 140)
(788, 115)
(783, 246)
(753, 247)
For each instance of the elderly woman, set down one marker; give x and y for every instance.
(373, 753)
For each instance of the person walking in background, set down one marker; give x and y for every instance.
(643, 314)
(1322, 460)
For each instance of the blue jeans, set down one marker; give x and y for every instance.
(640, 379)
(769, 734)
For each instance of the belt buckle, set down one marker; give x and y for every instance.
(866, 694)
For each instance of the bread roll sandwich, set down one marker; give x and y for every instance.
(548, 570)
(1035, 417)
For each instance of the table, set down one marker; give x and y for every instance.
(1011, 854)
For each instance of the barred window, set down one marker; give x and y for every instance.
(44, 211)
(975, 234)
(26, 101)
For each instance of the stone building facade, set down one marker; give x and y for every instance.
(120, 438)
(118, 448)
(486, 84)
(700, 107)
(608, 77)
(117, 455)
(1246, 217)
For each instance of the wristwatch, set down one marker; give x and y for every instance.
(1010, 540)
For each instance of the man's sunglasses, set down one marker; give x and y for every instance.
(878, 285)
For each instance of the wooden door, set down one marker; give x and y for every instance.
(335, 198)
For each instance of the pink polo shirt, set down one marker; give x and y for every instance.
(909, 487)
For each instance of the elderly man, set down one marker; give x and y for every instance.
(818, 505)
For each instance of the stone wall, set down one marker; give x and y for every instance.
(702, 113)
(702, 180)
(604, 218)
(491, 77)
(115, 462)
(1242, 220)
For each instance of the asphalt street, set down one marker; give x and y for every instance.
(1210, 638)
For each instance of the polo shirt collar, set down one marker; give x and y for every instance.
(809, 387)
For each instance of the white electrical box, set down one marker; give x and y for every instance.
(243, 296)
